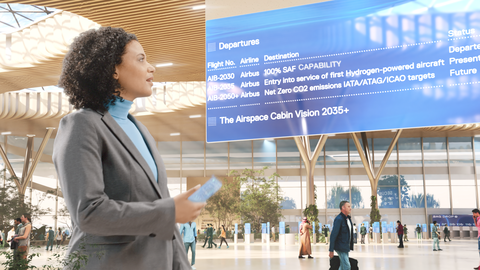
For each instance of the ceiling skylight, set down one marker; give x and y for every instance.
(17, 16)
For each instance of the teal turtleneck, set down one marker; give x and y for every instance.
(119, 112)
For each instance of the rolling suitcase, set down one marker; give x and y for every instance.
(335, 263)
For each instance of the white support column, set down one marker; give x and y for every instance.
(310, 159)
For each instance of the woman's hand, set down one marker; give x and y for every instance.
(186, 210)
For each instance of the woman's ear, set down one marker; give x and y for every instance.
(115, 75)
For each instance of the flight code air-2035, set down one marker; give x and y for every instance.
(284, 115)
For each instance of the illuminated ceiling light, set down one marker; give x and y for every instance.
(175, 134)
(393, 130)
(468, 5)
(420, 10)
(432, 3)
(195, 116)
(164, 65)
(199, 7)
(446, 3)
(331, 135)
(6, 133)
(144, 114)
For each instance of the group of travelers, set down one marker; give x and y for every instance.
(189, 233)
(59, 237)
(209, 233)
(418, 230)
(341, 239)
(19, 240)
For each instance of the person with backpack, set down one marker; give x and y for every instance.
(419, 232)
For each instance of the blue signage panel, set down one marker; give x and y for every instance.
(268, 227)
(282, 228)
(391, 227)
(342, 66)
(264, 228)
(384, 227)
(247, 228)
(424, 227)
(236, 228)
(376, 227)
(454, 220)
(388, 197)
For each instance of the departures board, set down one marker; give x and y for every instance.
(343, 66)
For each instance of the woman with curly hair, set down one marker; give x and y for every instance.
(111, 174)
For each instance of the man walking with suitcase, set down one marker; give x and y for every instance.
(341, 238)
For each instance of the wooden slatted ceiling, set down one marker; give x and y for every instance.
(169, 31)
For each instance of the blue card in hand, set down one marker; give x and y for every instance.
(206, 191)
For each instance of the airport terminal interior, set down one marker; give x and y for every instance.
(430, 170)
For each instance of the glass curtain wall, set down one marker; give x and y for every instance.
(437, 180)
(288, 164)
(410, 171)
(422, 173)
(461, 172)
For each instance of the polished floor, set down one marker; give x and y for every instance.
(458, 254)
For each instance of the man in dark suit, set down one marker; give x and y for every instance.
(341, 238)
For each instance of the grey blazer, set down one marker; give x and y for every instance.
(122, 218)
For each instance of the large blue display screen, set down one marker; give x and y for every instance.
(343, 66)
(454, 220)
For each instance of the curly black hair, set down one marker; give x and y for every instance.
(89, 66)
